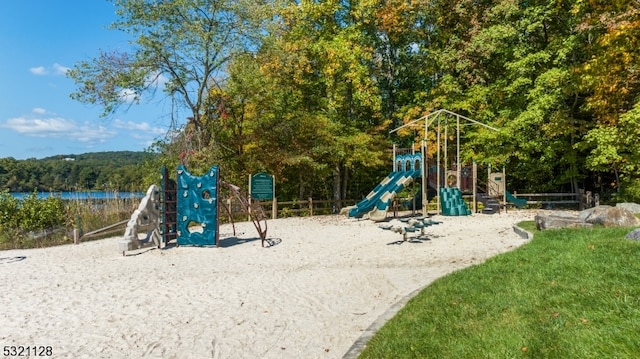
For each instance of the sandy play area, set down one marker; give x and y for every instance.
(311, 295)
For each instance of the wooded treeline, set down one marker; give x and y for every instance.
(104, 171)
(308, 90)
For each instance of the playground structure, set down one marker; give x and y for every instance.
(376, 204)
(145, 217)
(450, 181)
(185, 211)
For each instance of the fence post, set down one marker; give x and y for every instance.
(274, 208)
(310, 206)
(249, 209)
(76, 236)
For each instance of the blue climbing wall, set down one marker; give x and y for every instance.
(197, 208)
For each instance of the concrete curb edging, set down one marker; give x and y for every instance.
(524, 234)
(361, 343)
(368, 333)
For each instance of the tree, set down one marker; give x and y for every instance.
(180, 47)
(512, 65)
(612, 79)
(321, 58)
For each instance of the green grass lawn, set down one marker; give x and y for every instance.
(571, 293)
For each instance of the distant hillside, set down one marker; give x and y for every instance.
(117, 170)
(116, 157)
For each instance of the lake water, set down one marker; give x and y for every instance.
(82, 195)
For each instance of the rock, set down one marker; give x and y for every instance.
(634, 235)
(631, 207)
(562, 214)
(583, 215)
(613, 217)
(559, 220)
(603, 215)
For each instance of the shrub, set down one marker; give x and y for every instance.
(629, 191)
(9, 207)
(38, 214)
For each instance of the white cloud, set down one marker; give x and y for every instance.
(39, 111)
(142, 126)
(59, 69)
(57, 127)
(55, 69)
(40, 70)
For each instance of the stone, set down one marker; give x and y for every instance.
(613, 217)
(583, 215)
(631, 207)
(559, 220)
(634, 235)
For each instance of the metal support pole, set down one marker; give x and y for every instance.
(249, 200)
(489, 180)
(425, 180)
(504, 191)
(446, 150)
(438, 173)
(458, 167)
(475, 191)
(394, 158)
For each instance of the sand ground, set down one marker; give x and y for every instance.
(310, 295)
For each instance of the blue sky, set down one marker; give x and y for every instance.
(39, 41)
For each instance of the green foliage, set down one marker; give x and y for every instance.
(31, 222)
(27, 222)
(9, 208)
(308, 90)
(179, 47)
(38, 214)
(616, 146)
(629, 190)
(31, 213)
(120, 171)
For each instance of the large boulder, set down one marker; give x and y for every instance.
(631, 207)
(613, 217)
(559, 220)
(599, 210)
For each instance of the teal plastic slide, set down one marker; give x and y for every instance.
(452, 204)
(378, 201)
(518, 202)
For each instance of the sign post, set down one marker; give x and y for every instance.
(262, 187)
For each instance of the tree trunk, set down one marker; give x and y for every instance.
(301, 187)
(337, 191)
(345, 181)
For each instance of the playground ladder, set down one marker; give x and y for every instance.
(168, 210)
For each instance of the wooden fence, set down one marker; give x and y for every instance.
(581, 200)
(311, 207)
(276, 209)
